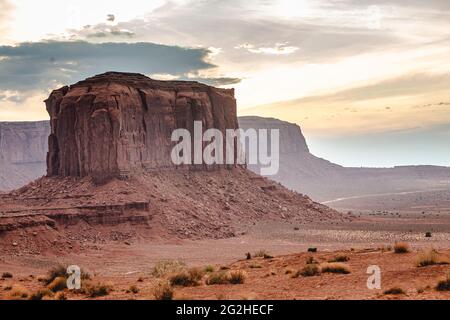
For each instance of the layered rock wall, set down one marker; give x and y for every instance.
(118, 124)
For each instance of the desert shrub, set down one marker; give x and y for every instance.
(18, 292)
(428, 234)
(429, 258)
(163, 268)
(40, 294)
(255, 266)
(309, 270)
(401, 247)
(394, 290)
(133, 289)
(313, 250)
(58, 284)
(7, 275)
(163, 291)
(236, 276)
(224, 268)
(55, 272)
(217, 278)
(96, 289)
(60, 296)
(311, 260)
(340, 258)
(335, 267)
(261, 254)
(209, 269)
(444, 284)
(61, 271)
(186, 278)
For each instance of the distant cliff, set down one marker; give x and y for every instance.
(323, 180)
(23, 148)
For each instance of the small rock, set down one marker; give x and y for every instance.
(15, 244)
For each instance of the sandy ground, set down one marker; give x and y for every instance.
(121, 264)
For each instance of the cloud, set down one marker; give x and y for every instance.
(277, 49)
(44, 65)
(251, 26)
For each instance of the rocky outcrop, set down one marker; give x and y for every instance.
(118, 124)
(23, 147)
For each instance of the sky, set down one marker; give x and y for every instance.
(367, 80)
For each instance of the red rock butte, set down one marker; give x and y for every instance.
(119, 124)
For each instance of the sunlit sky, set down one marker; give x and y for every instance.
(367, 80)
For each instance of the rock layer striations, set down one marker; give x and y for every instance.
(118, 124)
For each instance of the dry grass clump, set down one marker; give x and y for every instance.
(340, 258)
(95, 289)
(236, 276)
(209, 269)
(219, 277)
(58, 284)
(133, 289)
(18, 292)
(41, 294)
(401, 247)
(230, 277)
(309, 270)
(444, 284)
(262, 254)
(429, 258)
(394, 290)
(186, 278)
(6, 275)
(163, 291)
(165, 267)
(335, 267)
(61, 272)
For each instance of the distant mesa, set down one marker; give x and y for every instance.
(116, 124)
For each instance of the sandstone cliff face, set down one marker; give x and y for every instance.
(23, 146)
(322, 180)
(117, 124)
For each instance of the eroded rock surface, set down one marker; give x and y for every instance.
(118, 124)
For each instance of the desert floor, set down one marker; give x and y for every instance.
(366, 241)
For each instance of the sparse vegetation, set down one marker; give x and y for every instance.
(428, 234)
(163, 291)
(429, 258)
(444, 284)
(133, 289)
(96, 289)
(41, 293)
(6, 275)
(163, 268)
(18, 292)
(309, 270)
(401, 247)
(340, 258)
(236, 277)
(313, 250)
(56, 272)
(58, 284)
(209, 269)
(230, 277)
(217, 278)
(262, 254)
(186, 278)
(394, 291)
(335, 267)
